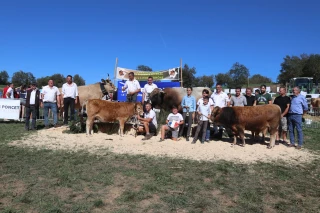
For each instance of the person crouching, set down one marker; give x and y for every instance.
(149, 122)
(204, 112)
(174, 120)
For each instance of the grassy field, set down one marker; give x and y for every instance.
(59, 181)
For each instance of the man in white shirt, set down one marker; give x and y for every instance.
(10, 91)
(50, 96)
(70, 98)
(133, 88)
(147, 89)
(149, 122)
(220, 99)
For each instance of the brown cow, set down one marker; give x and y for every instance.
(253, 118)
(107, 111)
(86, 92)
(315, 102)
(165, 99)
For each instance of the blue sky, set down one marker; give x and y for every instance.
(84, 37)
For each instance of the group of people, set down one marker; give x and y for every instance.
(48, 99)
(292, 110)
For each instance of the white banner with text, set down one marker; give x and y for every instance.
(9, 108)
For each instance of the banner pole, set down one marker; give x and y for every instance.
(115, 71)
(181, 85)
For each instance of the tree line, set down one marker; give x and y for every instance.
(300, 66)
(20, 78)
(237, 76)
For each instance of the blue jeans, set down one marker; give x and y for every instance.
(295, 121)
(53, 107)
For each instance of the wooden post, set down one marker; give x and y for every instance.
(115, 71)
(181, 80)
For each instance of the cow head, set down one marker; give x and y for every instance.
(138, 108)
(156, 98)
(315, 102)
(215, 112)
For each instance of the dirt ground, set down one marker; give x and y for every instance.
(101, 143)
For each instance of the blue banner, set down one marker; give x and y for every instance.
(122, 95)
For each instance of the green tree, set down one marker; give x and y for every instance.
(259, 79)
(58, 79)
(22, 78)
(79, 80)
(144, 68)
(188, 76)
(239, 75)
(4, 77)
(43, 81)
(312, 67)
(204, 81)
(223, 79)
(292, 67)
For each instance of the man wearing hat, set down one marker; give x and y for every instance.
(32, 106)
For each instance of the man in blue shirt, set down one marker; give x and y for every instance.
(188, 106)
(298, 108)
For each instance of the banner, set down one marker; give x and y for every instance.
(9, 108)
(164, 75)
(122, 95)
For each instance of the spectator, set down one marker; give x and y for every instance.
(263, 97)
(283, 102)
(50, 96)
(249, 97)
(32, 106)
(188, 107)
(174, 120)
(133, 88)
(70, 98)
(204, 111)
(298, 108)
(5, 90)
(221, 100)
(238, 99)
(147, 89)
(10, 92)
(205, 93)
(149, 122)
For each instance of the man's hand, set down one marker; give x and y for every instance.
(41, 104)
(75, 101)
(58, 105)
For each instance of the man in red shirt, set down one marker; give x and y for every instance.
(4, 92)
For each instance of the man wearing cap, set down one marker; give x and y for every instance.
(32, 106)
(51, 99)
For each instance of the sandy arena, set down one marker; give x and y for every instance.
(101, 143)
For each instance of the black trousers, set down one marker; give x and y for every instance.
(68, 102)
(34, 111)
(184, 115)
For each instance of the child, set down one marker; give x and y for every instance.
(174, 120)
(204, 112)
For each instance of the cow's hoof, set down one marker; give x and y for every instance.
(269, 147)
